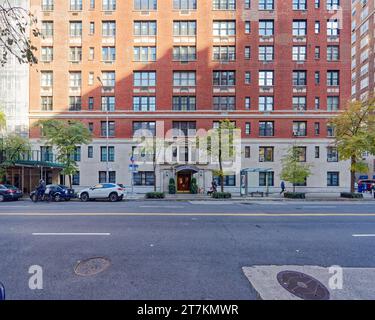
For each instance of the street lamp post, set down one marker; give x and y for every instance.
(107, 137)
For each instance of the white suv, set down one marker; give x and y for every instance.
(112, 192)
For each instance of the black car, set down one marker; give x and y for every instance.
(57, 193)
(9, 192)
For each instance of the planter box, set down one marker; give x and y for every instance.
(221, 195)
(350, 195)
(294, 195)
(155, 195)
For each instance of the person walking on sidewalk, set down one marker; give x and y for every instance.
(282, 186)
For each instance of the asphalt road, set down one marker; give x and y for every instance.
(175, 250)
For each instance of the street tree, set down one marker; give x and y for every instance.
(2, 121)
(65, 136)
(16, 23)
(355, 135)
(12, 148)
(294, 170)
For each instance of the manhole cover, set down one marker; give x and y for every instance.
(91, 266)
(302, 285)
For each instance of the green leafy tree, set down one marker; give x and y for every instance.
(293, 170)
(219, 149)
(12, 148)
(65, 136)
(16, 24)
(355, 135)
(2, 121)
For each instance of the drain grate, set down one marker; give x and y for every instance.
(92, 266)
(302, 285)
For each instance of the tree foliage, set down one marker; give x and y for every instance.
(65, 136)
(16, 23)
(355, 135)
(293, 170)
(2, 121)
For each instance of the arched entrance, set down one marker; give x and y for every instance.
(184, 175)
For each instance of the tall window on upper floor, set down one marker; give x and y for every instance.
(108, 79)
(224, 28)
(333, 53)
(145, 28)
(109, 28)
(266, 4)
(47, 5)
(76, 5)
(184, 78)
(333, 78)
(299, 78)
(333, 28)
(184, 4)
(224, 53)
(145, 5)
(144, 54)
(266, 103)
(144, 79)
(224, 4)
(299, 4)
(333, 103)
(108, 54)
(184, 53)
(266, 78)
(75, 29)
(75, 79)
(108, 103)
(47, 29)
(109, 5)
(184, 103)
(266, 27)
(299, 53)
(224, 78)
(144, 103)
(46, 79)
(46, 54)
(224, 103)
(266, 53)
(299, 27)
(333, 4)
(184, 28)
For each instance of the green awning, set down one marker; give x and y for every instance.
(32, 163)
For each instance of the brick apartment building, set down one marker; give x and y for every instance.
(363, 58)
(278, 69)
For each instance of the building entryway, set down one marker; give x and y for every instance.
(183, 182)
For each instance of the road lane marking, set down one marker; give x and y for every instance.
(363, 235)
(319, 207)
(162, 207)
(69, 234)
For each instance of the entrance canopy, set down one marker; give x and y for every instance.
(256, 170)
(187, 168)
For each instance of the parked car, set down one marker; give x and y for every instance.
(56, 193)
(112, 192)
(9, 192)
(366, 184)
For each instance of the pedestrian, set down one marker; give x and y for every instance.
(282, 186)
(214, 186)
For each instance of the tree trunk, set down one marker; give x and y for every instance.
(352, 174)
(70, 181)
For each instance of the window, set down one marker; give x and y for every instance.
(299, 128)
(247, 53)
(299, 5)
(75, 54)
(247, 103)
(224, 28)
(184, 103)
(91, 53)
(76, 5)
(266, 103)
(91, 78)
(109, 5)
(144, 178)
(228, 180)
(333, 28)
(317, 77)
(299, 27)
(108, 103)
(145, 5)
(92, 4)
(47, 29)
(76, 179)
(46, 78)
(266, 154)
(266, 53)
(333, 78)
(247, 4)
(145, 28)
(266, 128)
(91, 127)
(144, 79)
(184, 4)
(317, 4)
(224, 103)
(266, 27)
(46, 54)
(184, 53)
(331, 130)
(333, 4)
(247, 77)
(300, 153)
(264, 176)
(184, 128)
(110, 154)
(184, 78)
(46, 103)
(76, 156)
(47, 5)
(247, 27)
(333, 103)
(299, 103)
(224, 4)
(144, 103)
(184, 28)
(266, 78)
(247, 128)
(75, 29)
(75, 103)
(224, 53)
(332, 154)
(111, 128)
(317, 103)
(91, 103)
(92, 28)
(299, 78)
(299, 53)
(90, 152)
(109, 28)
(247, 152)
(317, 52)
(139, 127)
(108, 54)
(108, 78)
(317, 152)
(144, 54)
(224, 78)
(333, 179)
(266, 4)
(103, 177)
(317, 128)
(333, 53)
(75, 79)
(317, 27)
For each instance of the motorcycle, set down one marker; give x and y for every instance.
(35, 196)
